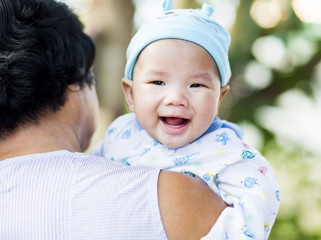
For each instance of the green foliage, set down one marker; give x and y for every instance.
(300, 211)
(240, 105)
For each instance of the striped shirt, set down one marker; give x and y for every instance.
(64, 195)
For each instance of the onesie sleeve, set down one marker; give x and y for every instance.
(249, 187)
(253, 194)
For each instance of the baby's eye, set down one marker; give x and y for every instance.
(196, 85)
(158, 83)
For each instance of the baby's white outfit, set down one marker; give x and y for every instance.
(239, 174)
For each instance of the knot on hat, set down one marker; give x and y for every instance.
(168, 5)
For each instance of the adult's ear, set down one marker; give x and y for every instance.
(74, 87)
(127, 87)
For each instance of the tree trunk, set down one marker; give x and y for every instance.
(112, 26)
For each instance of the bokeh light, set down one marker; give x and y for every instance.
(257, 76)
(296, 119)
(308, 11)
(266, 13)
(300, 49)
(271, 52)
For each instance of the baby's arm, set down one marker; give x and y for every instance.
(251, 187)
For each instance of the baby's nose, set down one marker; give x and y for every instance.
(176, 97)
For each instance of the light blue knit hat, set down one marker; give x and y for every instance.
(194, 25)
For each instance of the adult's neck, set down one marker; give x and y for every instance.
(70, 128)
(49, 134)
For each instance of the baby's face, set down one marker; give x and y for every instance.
(175, 91)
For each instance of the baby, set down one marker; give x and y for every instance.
(175, 78)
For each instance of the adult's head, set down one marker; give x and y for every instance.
(43, 52)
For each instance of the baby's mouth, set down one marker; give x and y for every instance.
(175, 121)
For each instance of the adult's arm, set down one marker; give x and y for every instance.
(188, 207)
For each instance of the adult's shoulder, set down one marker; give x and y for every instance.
(87, 164)
(106, 196)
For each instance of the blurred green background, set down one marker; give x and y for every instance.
(275, 94)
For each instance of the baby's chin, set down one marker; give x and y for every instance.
(173, 142)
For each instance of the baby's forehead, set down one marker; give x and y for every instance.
(174, 47)
(167, 45)
(160, 57)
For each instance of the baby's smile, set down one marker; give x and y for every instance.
(174, 125)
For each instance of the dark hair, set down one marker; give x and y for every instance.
(43, 49)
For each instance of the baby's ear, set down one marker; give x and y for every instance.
(127, 86)
(223, 92)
